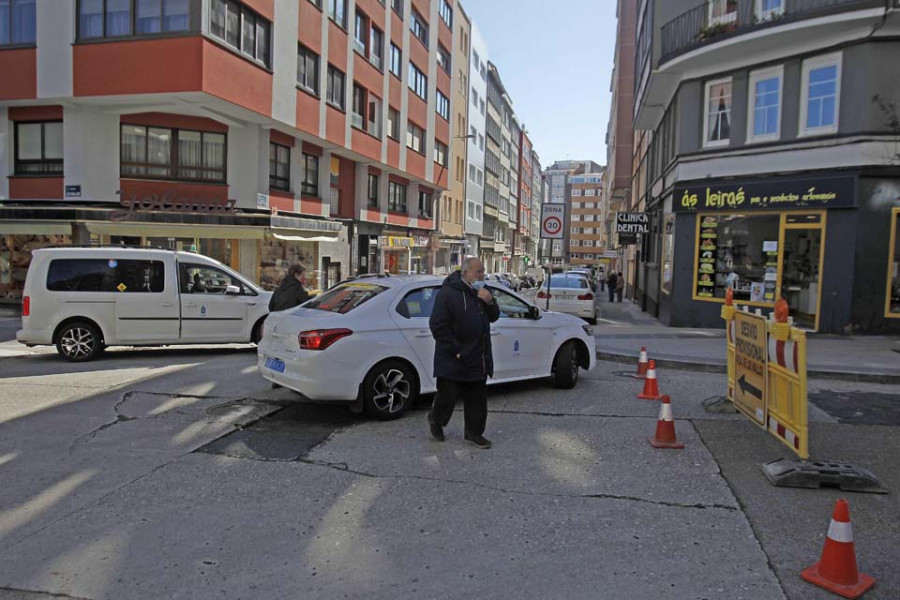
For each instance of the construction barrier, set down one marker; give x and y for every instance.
(767, 372)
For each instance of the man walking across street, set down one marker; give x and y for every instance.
(291, 292)
(463, 359)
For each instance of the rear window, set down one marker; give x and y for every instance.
(105, 275)
(571, 281)
(344, 298)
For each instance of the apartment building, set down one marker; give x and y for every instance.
(559, 180)
(512, 136)
(522, 235)
(476, 222)
(258, 132)
(771, 165)
(537, 198)
(587, 239)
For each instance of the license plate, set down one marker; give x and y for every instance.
(274, 364)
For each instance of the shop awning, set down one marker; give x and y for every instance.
(36, 228)
(302, 236)
(227, 232)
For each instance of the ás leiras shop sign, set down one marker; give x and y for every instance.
(766, 194)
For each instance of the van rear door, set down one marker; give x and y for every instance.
(147, 309)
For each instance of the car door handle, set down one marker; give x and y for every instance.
(190, 305)
(251, 304)
(423, 333)
(167, 304)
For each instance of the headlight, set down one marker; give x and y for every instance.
(588, 330)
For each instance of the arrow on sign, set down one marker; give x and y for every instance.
(749, 388)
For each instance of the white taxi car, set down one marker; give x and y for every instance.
(367, 343)
(570, 293)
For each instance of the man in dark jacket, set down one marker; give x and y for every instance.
(463, 358)
(290, 293)
(611, 284)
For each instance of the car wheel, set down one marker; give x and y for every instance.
(565, 367)
(79, 342)
(256, 336)
(592, 320)
(389, 390)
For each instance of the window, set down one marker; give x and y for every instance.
(393, 124)
(892, 304)
(234, 24)
(123, 276)
(576, 193)
(39, 148)
(372, 195)
(472, 173)
(396, 61)
(279, 166)
(418, 82)
(765, 105)
(203, 279)
(161, 153)
(418, 304)
(510, 306)
(722, 12)
(344, 298)
(310, 184)
(446, 13)
(415, 137)
(18, 22)
(308, 70)
(361, 33)
(480, 177)
(717, 119)
(426, 204)
(668, 254)
(443, 105)
(588, 256)
(418, 27)
(769, 9)
(114, 18)
(590, 192)
(480, 142)
(316, 3)
(337, 11)
(397, 5)
(443, 59)
(440, 153)
(473, 135)
(481, 105)
(820, 95)
(396, 197)
(376, 48)
(334, 94)
(359, 107)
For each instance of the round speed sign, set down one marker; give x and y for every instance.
(552, 225)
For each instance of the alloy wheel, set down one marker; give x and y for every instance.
(391, 391)
(77, 342)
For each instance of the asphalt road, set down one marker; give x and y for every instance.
(180, 473)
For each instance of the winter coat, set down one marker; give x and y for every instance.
(461, 325)
(620, 283)
(288, 295)
(611, 280)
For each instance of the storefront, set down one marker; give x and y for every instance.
(811, 240)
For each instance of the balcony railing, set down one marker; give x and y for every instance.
(715, 20)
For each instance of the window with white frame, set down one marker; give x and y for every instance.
(722, 12)
(576, 193)
(717, 113)
(590, 192)
(764, 116)
(769, 9)
(820, 94)
(472, 173)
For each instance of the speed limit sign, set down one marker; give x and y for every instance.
(553, 217)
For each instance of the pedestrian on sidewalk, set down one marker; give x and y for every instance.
(291, 292)
(463, 358)
(601, 279)
(611, 284)
(620, 286)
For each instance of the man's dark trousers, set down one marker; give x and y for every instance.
(612, 291)
(474, 396)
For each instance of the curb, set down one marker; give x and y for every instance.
(722, 368)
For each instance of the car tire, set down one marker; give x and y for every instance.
(79, 342)
(256, 335)
(389, 390)
(592, 320)
(565, 367)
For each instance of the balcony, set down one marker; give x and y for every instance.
(716, 20)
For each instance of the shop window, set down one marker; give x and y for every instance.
(279, 166)
(106, 275)
(892, 308)
(396, 197)
(717, 117)
(18, 22)
(820, 95)
(160, 153)
(308, 70)
(277, 256)
(334, 94)
(310, 184)
(39, 148)
(737, 251)
(668, 254)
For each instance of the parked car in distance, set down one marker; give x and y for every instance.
(84, 299)
(570, 293)
(498, 279)
(368, 344)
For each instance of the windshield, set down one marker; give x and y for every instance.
(344, 298)
(568, 281)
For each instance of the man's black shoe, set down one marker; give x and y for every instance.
(437, 432)
(479, 440)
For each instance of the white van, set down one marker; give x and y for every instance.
(85, 299)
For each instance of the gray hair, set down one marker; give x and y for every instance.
(467, 262)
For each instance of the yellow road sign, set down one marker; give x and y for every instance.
(750, 366)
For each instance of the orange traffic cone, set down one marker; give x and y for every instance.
(665, 428)
(836, 571)
(651, 387)
(642, 364)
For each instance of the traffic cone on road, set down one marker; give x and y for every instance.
(665, 428)
(651, 387)
(642, 364)
(837, 571)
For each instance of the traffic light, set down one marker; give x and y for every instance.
(527, 260)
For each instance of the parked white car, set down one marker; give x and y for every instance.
(570, 293)
(368, 343)
(85, 299)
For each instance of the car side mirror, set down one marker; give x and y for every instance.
(534, 313)
(232, 290)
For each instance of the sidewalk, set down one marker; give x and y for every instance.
(622, 329)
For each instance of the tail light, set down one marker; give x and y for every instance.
(26, 306)
(543, 295)
(587, 296)
(319, 339)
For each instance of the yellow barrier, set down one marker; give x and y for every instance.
(784, 400)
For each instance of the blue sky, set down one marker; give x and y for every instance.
(555, 59)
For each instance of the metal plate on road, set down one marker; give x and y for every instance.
(751, 364)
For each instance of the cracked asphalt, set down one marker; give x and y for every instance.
(179, 473)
